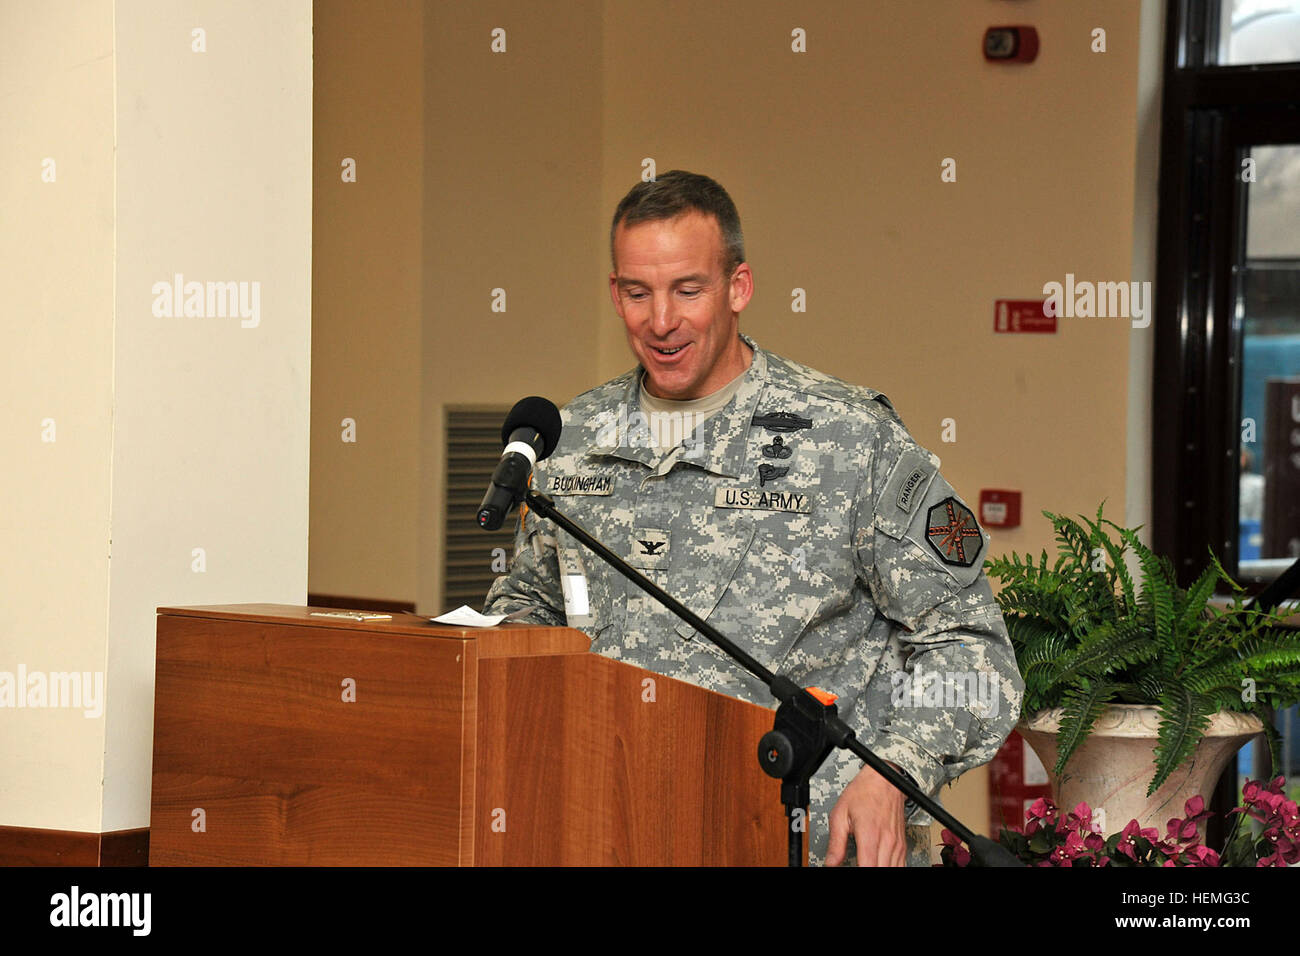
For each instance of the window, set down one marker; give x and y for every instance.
(1257, 31)
(1226, 399)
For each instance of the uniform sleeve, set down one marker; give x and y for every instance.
(533, 581)
(953, 687)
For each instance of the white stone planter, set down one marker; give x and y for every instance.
(1113, 768)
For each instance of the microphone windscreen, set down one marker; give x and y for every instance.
(537, 413)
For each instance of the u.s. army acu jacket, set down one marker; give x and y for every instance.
(805, 523)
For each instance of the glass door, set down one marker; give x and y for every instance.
(1266, 325)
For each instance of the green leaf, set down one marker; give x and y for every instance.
(1274, 743)
(1040, 645)
(1117, 552)
(1183, 718)
(1210, 679)
(1265, 653)
(1083, 705)
(1157, 589)
(1239, 847)
(1194, 603)
(1109, 648)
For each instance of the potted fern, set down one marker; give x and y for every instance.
(1136, 694)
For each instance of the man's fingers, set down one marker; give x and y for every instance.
(839, 840)
(878, 845)
(875, 845)
(890, 851)
(872, 812)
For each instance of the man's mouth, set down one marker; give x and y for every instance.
(668, 351)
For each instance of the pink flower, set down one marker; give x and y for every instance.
(1285, 850)
(1201, 856)
(1128, 838)
(1181, 830)
(1076, 839)
(1282, 849)
(1168, 849)
(1189, 829)
(1271, 801)
(1288, 849)
(961, 855)
(1289, 813)
(1063, 854)
(1195, 809)
(1041, 811)
(1080, 818)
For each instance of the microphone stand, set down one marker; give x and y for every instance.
(805, 730)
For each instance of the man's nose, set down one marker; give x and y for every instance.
(664, 318)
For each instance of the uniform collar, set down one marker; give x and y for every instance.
(723, 438)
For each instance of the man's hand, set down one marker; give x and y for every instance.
(872, 810)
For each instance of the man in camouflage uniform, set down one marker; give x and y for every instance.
(791, 510)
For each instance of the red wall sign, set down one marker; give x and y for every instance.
(1021, 315)
(999, 509)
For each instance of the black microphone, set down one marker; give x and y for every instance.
(530, 433)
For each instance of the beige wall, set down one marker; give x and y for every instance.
(834, 159)
(513, 156)
(56, 267)
(210, 437)
(366, 276)
(461, 155)
(172, 433)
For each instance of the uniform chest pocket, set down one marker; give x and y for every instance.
(767, 603)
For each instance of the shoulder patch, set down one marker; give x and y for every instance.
(953, 533)
(904, 490)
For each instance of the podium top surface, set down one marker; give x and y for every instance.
(505, 638)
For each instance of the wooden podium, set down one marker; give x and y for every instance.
(281, 738)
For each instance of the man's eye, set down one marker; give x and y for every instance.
(690, 292)
(636, 296)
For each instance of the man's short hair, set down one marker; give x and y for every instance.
(677, 192)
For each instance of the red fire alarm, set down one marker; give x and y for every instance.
(1011, 44)
(1000, 509)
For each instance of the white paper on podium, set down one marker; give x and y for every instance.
(466, 616)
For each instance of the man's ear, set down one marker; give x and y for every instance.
(741, 288)
(613, 294)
